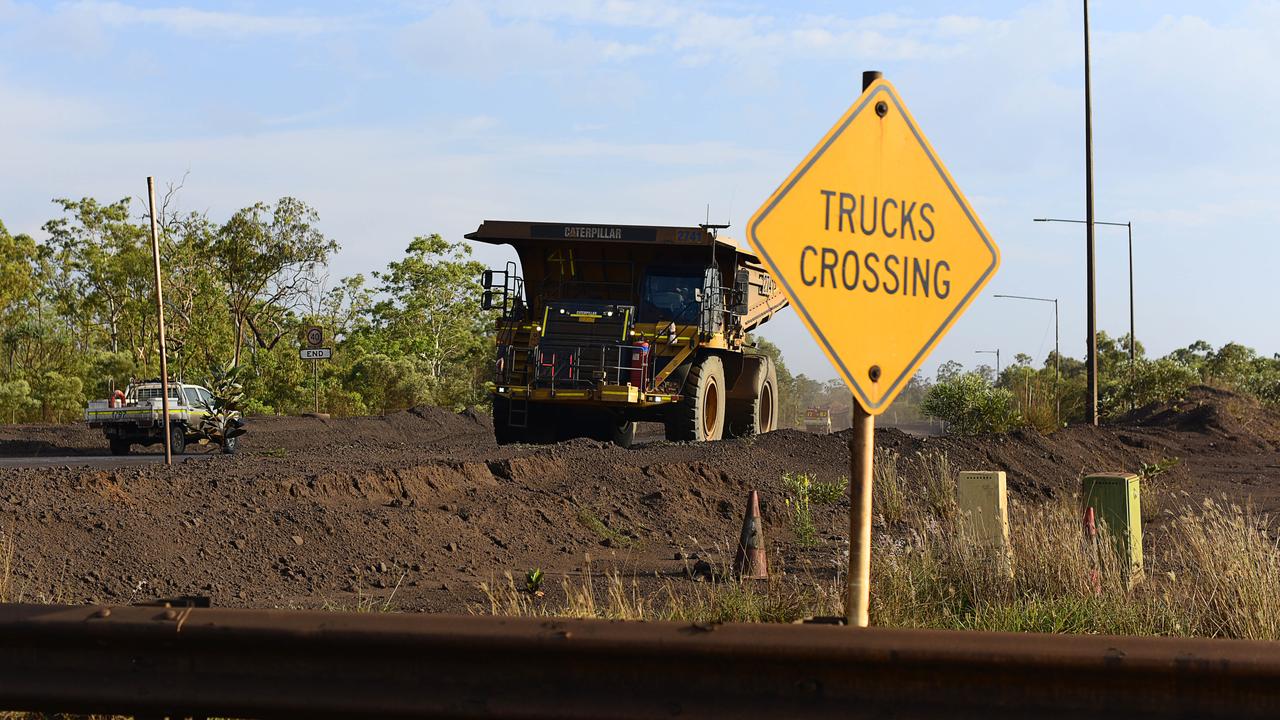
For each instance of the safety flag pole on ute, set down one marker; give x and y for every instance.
(164, 359)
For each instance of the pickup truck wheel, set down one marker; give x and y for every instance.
(120, 447)
(700, 413)
(177, 440)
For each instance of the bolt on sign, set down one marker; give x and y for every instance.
(875, 246)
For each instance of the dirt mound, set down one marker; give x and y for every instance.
(1205, 410)
(418, 426)
(416, 508)
(49, 440)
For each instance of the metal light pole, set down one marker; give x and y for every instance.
(1133, 337)
(1091, 400)
(995, 352)
(1057, 354)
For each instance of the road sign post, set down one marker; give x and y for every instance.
(880, 253)
(315, 353)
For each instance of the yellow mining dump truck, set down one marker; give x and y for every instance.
(817, 420)
(610, 325)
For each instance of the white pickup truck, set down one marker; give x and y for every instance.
(135, 416)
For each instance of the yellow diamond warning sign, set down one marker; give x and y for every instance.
(875, 246)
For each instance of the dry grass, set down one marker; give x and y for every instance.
(610, 596)
(889, 500)
(1228, 571)
(1220, 576)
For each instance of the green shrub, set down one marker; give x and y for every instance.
(15, 400)
(971, 405)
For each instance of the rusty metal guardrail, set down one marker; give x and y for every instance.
(279, 664)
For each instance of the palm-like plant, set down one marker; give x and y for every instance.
(223, 423)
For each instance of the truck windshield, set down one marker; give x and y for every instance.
(671, 296)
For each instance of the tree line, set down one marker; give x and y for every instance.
(1022, 395)
(78, 316)
(77, 320)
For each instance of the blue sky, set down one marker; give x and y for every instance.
(402, 118)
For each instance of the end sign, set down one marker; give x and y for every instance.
(875, 245)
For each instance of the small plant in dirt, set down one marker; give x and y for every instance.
(533, 582)
(829, 493)
(223, 424)
(799, 504)
(608, 536)
(1150, 471)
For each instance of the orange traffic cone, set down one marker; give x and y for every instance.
(750, 561)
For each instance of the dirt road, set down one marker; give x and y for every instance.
(415, 509)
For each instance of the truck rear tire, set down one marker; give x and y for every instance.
(759, 413)
(177, 439)
(120, 446)
(699, 416)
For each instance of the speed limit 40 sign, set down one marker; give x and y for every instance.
(315, 336)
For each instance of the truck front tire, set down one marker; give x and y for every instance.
(503, 432)
(700, 414)
(120, 446)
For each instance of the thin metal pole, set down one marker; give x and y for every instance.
(1057, 367)
(861, 453)
(315, 382)
(1091, 398)
(164, 359)
(1133, 337)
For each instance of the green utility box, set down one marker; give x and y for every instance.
(1116, 499)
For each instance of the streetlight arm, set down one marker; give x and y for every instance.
(1082, 222)
(1026, 297)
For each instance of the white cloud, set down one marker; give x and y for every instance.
(486, 38)
(192, 20)
(468, 39)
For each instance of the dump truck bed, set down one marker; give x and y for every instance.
(548, 251)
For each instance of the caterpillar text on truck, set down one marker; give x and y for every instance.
(608, 325)
(880, 253)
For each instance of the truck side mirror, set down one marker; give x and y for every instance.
(487, 281)
(487, 298)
